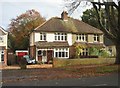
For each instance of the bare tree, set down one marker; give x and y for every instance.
(111, 24)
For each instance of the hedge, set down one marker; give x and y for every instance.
(84, 61)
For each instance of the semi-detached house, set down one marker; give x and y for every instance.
(57, 37)
(3, 45)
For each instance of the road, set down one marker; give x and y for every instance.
(107, 80)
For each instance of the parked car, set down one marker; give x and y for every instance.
(29, 60)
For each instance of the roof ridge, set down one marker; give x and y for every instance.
(45, 22)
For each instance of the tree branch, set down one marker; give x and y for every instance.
(107, 33)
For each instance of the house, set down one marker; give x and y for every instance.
(110, 47)
(3, 45)
(57, 37)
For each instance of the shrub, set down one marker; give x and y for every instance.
(23, 63)
(104, 54)
(84, 61)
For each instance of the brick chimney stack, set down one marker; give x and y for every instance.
(64, 16)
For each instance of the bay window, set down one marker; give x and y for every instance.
(61, 53)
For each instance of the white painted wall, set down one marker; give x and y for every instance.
(50, 37)
(69, 38)
(37, 37)
(4, 43)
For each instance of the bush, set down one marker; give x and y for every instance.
(86, 61)
(104, 54)
(23, 63)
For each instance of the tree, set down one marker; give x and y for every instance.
(90, 16)
(79, 49)
(110, 24)
(21, 27)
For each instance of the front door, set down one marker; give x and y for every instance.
(44, 56)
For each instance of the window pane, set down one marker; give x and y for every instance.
(62, 37)
(44, 37)
(55, 37)
(66, 54)
(58, 37)
(66, 37)
(86, 37)
(63, 54)
(97, 38)
(60, 54)
(44, 53)
(80, 37)
(77, 37)
(56, 54)
(40, 37)
(39, 52)
(94, 38)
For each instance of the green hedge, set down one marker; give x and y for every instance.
(84, 61)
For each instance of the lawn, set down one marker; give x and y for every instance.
(77, 71)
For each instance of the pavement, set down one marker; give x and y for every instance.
(106, 80)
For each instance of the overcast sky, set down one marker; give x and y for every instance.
(48, 8)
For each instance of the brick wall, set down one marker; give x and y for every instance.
(33, 51)
(5, 56)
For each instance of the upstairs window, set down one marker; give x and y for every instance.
(1, 39)
(96, 38)
(82, 37)
(60, 36)
(42, 36)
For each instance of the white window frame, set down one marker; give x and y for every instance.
(61, 52)
(96, 38)
(60, 37)
(42, 36)
(81, 37)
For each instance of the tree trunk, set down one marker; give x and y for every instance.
(117, 61)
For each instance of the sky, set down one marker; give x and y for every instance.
(10, 9)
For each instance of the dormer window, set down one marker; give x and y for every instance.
(96, 38)
(60, 36)
(81, 37)
(42, 36)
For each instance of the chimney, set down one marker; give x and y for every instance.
(64, 16)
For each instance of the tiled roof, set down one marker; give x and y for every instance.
(45, 44)
(90, 44)
(56, 24)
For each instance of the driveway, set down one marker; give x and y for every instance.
(109, 80)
